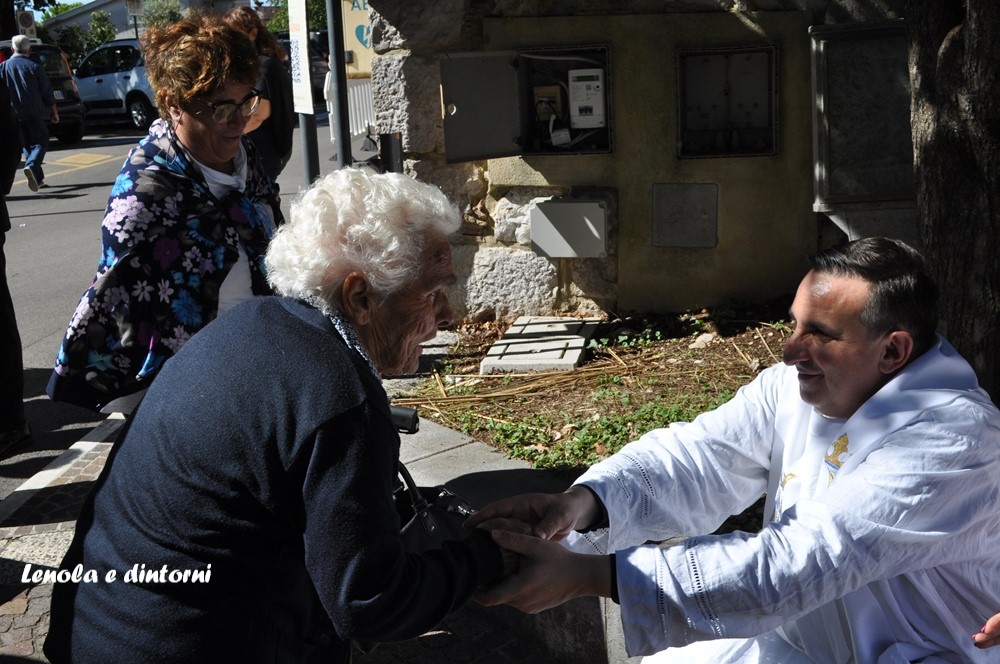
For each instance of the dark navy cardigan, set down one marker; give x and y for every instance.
(265, 448)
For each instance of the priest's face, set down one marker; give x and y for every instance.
(840, 363)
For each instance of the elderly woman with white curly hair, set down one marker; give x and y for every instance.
(265, 454)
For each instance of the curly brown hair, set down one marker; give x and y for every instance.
(195, 57)
(246, 21)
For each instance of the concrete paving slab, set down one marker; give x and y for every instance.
(540, 343)
(39, 549)
(430, 440)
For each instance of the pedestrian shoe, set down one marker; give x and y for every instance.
(43, 185)
(13, 439)
(32, 182)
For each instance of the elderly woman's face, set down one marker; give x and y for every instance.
(211, 142)
(411, 316)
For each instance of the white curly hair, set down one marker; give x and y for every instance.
(355, 219)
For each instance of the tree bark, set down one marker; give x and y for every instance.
(955, 121)
(8, 22)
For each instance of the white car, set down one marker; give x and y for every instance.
(113, 84)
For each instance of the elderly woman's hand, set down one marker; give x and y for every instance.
(511, 561)
(548, 574)
(505, 523)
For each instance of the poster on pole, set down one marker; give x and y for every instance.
(298, 43)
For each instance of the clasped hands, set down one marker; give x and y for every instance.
(542, 573)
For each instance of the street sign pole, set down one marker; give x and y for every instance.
(134, 9)
(338, 76)
(302, 94)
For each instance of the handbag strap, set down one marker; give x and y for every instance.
(416, 498)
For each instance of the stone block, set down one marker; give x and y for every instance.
(406, 100)
(462, 183)
(501, 283)
(419, 26)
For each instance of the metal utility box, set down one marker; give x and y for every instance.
(685, 215)
(861, 114)
(728, 102)
(527, 102)
(862, 146)
(562, 228)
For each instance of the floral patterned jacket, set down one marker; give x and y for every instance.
(168, 244)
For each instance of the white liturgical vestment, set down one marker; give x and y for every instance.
(883, 544)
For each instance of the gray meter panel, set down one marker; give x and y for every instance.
(545, 100)
(685, 215)
(563, 228)
(481, 114)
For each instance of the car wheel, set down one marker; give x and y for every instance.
(141, 112)
(70, 134)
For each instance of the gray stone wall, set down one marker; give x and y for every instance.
(499, 274)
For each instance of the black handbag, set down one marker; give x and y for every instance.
(429, 515)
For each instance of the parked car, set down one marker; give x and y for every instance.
(71, 125)
(113, 84)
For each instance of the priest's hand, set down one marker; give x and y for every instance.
(548, 575)
(551, 515)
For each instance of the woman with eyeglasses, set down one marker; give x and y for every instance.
(187, 223)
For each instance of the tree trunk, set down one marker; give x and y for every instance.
(954, 47)
(8, 22)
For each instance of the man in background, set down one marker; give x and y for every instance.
(14, 430)
(33, 101)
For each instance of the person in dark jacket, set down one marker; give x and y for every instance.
(246, 509)
(33, 101)
(271, 127)
(14, 429)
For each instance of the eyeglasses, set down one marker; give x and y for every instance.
(223, 112)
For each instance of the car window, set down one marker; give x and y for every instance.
(97, 63)
(125, 57)
(50, 59)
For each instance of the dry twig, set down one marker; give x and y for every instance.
(742, 354)
(761, 337)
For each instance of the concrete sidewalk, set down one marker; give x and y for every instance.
(37, 521)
